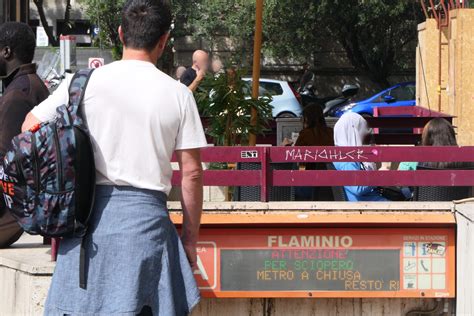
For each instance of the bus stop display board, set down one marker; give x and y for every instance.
(336, 262)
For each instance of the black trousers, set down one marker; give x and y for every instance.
(10, 231)
(146, 311)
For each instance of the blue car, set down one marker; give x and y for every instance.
(402, 94)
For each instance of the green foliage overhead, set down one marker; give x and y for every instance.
(106, 14)
(292, 28)
(375, 34)
(212, 20)
(225, 100)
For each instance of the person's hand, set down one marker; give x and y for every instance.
(201, 73)
(287, 142)
(191, 253)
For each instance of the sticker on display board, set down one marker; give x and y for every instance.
(409, 282)
(409, 249)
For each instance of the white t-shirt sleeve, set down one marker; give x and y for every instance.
(46, 110)
(191, 134)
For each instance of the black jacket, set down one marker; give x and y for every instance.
(23, 91)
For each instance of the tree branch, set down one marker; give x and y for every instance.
(39, 5)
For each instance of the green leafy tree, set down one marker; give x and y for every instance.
(214, 20)
(44, 22)
(225, 100)
(106, 15)
(292, 29)
(375, 34)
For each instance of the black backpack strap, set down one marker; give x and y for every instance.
(77, 91)
(82, 265)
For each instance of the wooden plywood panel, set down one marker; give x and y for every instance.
(445, 108)
(457, 70)
(461, 71)
(465, 259)
(466, 98)
(427, 64)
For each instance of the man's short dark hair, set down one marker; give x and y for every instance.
(144, 22)
(21, 40)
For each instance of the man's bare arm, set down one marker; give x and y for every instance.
(191, 199)
(29, 122)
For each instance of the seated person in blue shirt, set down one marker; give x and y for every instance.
(350, 131)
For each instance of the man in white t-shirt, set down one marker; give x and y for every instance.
(143, 108)
(138, 117)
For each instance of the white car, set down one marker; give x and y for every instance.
(285, 102)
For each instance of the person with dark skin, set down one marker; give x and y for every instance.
(23, 90)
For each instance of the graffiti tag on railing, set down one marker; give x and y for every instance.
(307, 155)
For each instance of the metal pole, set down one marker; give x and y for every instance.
(18, 11)
(257, 53)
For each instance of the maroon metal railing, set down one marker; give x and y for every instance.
(414, 111)
(411, 117)
(267, 177)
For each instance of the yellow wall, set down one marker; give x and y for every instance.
(457, 70)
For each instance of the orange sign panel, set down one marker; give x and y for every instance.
(336, 262)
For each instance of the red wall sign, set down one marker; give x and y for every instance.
(96, 62)
(336, 262)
